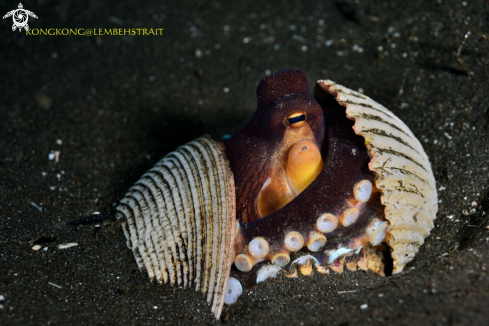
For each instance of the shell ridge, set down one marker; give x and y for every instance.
(399, 172)
(183, 182)
(126, 203)
(172, 176)
(207, 217)
(165, 226)
(150, 198)
(383, 133)
(165, 237)
(124, 209)
(223, 226)
(166, 187)
(145, 211)
(398, 163)
(373, 117)
(179, 222)
(357, 108)
(214, 226)
(219, 221)
(230, 234)
(197, 194)
(140, 227)
(126, 231)
(400, 150)
(227, 225)
(131, 232)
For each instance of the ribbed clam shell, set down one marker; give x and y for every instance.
(404, 173)
(179, 219)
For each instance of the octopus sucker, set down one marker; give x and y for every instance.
(313, 182)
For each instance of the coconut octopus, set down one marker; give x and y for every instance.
(327, 180)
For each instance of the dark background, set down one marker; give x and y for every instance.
(119, 103)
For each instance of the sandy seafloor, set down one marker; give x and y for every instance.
(114, 105)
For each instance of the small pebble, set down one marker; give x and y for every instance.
(474, 204)
(36, 247)
(364, 306)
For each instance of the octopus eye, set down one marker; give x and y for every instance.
(296, 119)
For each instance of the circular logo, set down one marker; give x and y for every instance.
(20, 17)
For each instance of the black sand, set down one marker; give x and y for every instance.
(119, 103)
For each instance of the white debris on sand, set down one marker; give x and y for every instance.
(36, 247)
(54, 155)
(39, 208)
(67, 245)
(55, 285)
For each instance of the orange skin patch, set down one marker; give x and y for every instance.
(278, 192)
(303, 165)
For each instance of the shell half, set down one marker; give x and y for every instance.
(405, 178)
(179, 219)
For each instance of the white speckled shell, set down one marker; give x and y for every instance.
(179, 219)
(404, 172)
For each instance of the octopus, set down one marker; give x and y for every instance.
(322, 180)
